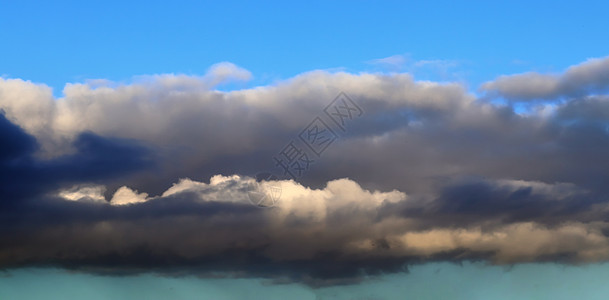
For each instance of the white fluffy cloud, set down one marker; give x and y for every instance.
(125, 195)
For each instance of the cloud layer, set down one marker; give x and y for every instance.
(579, 80)
(154, 174)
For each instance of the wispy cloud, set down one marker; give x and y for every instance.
(441, 69)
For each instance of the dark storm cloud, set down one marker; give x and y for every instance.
(95, 158)
(186, 233)
(429, 172)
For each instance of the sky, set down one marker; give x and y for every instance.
(71, 41)
(319, 150)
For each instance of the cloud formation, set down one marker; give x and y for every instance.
(155, 174)
(588, 77)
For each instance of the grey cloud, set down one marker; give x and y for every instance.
(199, 133)
(433, 174)
(588, 77)
(22, 175)
(333, 235)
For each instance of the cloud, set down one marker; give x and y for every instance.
(199, 132)
(316, 236)
(94, 158)
(125, 196)
(217, 74)
(587, 77)
(154, 175)
(86, 192)
(519, 242)
(394, 61)
(436, 69)
(225, 71)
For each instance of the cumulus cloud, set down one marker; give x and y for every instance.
(125, 195)
(157, 174)
(224, 71)
(199, 132)
(317, 236)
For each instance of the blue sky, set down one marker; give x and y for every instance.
(70, 41)
(499, 199)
